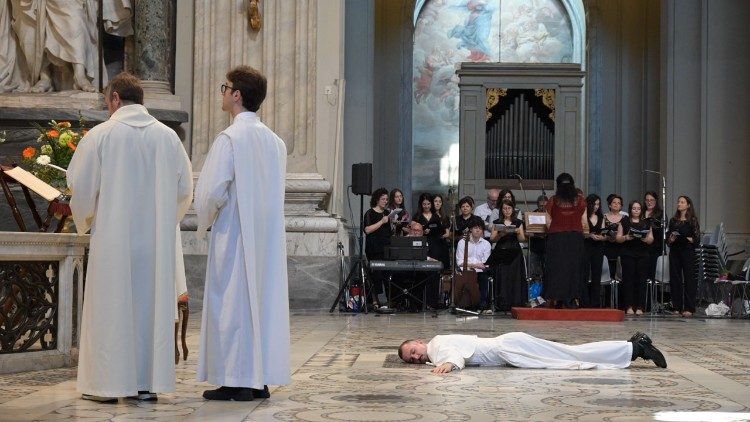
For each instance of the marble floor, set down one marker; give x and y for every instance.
(345, 368)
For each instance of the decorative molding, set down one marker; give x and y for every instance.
(493, 97)
(548, 98)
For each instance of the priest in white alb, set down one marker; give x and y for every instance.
(244, 344)
(131, 183)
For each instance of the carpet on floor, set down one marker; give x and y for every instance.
(583, 314)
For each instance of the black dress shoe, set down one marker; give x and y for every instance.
(643, 348)
(144, 396)
(229, 394)
(261, 394)
(636, 336)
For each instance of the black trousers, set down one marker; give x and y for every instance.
(377, 278)
(633, 287)
(592, 266)
(564, 256)
(511, 289)
(612, 252)
(682, 282)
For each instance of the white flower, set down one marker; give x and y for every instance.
(43, 160)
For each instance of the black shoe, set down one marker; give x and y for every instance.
(229, 394)
(643, 348)
(144, 396)
(261, 394)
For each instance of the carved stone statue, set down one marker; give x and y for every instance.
(60, 33)
(12, 76)
(57, 32)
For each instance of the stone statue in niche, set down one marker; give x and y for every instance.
(12, 76)
(253, 15)
(56, 43)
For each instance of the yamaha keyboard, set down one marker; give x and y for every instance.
(405, 265)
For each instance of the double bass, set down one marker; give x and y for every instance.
(466, 286)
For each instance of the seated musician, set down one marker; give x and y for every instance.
(478, 251)
(432, 280)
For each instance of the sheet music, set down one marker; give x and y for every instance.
(34, 183)
(537, 219)
(394, 213)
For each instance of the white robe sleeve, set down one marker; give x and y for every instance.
(184, 185)
(212, 189)
(446, 353)
(84, 172)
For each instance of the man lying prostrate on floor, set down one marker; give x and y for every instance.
(454, 351)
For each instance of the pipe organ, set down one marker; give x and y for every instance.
(520, 134)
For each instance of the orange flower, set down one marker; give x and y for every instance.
(29, 152)
(64, 124)
(53, 133)
(71, 146)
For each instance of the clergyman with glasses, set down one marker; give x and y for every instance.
(244, 344)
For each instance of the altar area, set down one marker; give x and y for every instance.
(181, 80)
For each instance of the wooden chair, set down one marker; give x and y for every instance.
(183, 310)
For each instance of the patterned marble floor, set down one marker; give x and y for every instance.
(345, 368)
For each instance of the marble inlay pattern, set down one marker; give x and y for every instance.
(345, 368)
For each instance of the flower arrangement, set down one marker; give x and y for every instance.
(59, 142)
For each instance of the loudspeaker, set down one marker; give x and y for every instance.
(362, 179)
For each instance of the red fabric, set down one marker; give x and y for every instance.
(566, 218)
(609, 315)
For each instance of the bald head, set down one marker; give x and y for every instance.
(492, 196)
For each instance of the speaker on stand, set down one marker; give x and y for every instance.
(361, 185)
(362, 179)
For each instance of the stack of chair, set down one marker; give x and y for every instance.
(711, 263)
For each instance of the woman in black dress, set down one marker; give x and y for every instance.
(594, 253)
(426, 216)
(682, 239)
(466, 214)
(511, 289)
(611, 223)
(444, 242)
(377, 227)
(635, 236)
(402, 219)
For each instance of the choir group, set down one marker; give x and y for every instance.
(567, 258)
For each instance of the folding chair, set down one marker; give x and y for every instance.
(741, 286)
(655, 287)
(614, 283)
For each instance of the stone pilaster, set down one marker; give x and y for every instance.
(284, 50)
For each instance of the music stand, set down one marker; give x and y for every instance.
(358, 266)
(57, 201)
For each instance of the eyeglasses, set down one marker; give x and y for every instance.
(224, 87)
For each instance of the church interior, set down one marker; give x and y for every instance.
(449, 97)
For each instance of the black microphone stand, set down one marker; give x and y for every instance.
(527, 276)
(656, 308)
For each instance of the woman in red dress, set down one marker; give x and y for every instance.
(566, 212)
